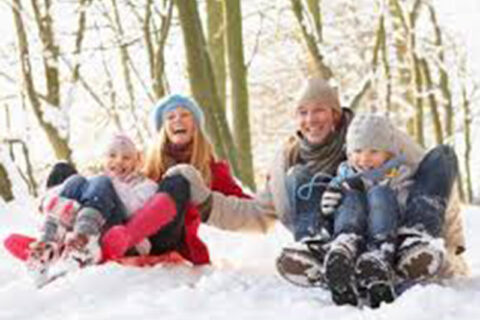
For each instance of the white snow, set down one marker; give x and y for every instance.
(241, 284)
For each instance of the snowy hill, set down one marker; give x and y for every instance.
(241, 284)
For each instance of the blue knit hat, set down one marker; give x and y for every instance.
(172, 102)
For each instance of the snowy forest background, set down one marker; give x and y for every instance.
(73, 70)
(70, 71)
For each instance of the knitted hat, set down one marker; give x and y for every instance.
(120, 143)
(318, 90)
(172, 102)
(372, 131)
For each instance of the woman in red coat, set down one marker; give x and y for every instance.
(168, 220)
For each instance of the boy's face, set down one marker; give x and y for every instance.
(120, 164)
(315, 121)
(179, 126)
(366, 159)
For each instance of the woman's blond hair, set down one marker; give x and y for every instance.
(158, 161)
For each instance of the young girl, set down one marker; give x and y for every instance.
(179, 139)
(77, 211)
(374, 182)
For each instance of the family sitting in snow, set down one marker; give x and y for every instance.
(133, 210)
(378, 212)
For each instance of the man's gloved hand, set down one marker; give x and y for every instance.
(199, 192)
(331, 199)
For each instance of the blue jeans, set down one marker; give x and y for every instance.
(98, 193)
(373, 214)
(430, 193)
(305, 219)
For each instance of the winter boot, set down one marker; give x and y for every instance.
(81, 245)
(159, 211)
(340, 269)
(42, 255)
(81, 250)
(419, 255)
(375, 276)
(302, 264)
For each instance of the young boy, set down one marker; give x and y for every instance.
(373, 182)
(77, 211)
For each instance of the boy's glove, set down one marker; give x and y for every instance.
(199, 192)
(331, 199)
(353, 183)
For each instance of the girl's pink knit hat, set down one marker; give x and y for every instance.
(120, 142)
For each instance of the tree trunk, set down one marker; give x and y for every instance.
(419, 135)
(311, 39)
(316, 12)
(202, 81)
(28, 176)
(437, 125)
(5, 184)
(444, 78)
(125, 58)
(238, 80)
(79, 37)
(377, 50)
(216, 46)
(50, 58)
(156, 55)
(418, 76)
(467, 120)
(59, 144)
(403, 58)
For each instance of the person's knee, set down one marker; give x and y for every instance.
(73, 187)
(100, 194)
(443, 150)
(76, 180)
(380, 191)
(177, 187)
(101, 182)
(381, 196)
(443, 157)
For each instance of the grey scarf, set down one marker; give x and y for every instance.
(324, 157)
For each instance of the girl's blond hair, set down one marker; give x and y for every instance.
(158, 161)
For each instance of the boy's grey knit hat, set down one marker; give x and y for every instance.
(372, 131)
(317, 89)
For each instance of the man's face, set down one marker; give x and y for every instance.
(315, 120)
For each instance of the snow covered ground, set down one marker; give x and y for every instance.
(241, 284)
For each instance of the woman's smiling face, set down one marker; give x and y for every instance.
(179, 126)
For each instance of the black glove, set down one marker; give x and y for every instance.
(331, 199)
(353, 183)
